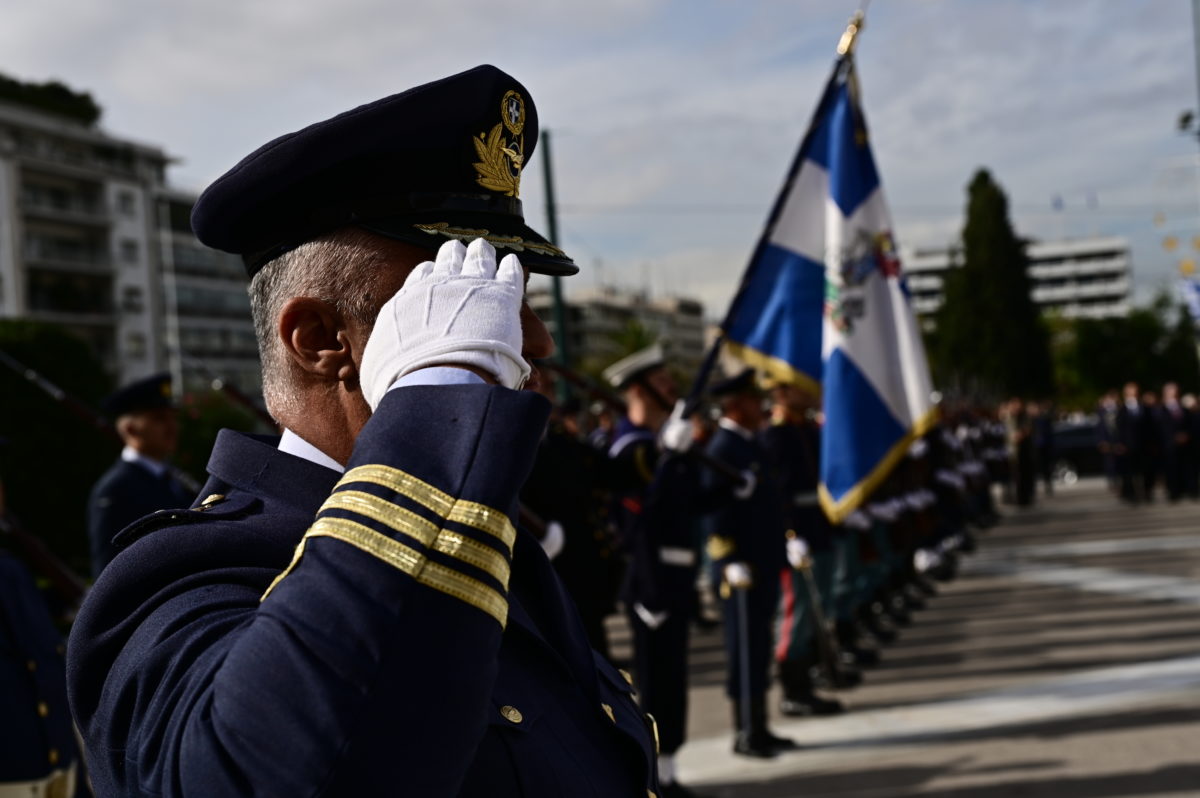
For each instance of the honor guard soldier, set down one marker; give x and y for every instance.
(748, 550)
(38, 756)
(655, 502)
(349, 609)
(141, 481)
(792, 445)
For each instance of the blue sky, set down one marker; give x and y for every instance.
(673, 120)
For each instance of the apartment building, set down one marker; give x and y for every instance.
(1079, 278)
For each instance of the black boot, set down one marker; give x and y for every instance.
(853, 652)
(758, 721)
(799, 697)
(874, 625)
(752, 740)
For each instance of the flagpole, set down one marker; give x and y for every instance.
(845, 51)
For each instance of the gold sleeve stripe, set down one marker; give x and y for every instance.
(425, 532)
(408, 560)
(643, 467)
(472, 514)
(720, 547)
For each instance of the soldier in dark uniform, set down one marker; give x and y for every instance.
(350, 609)
(792, 444)
(656, 497)
(142, 480)
(747, 547)
(38, 755)
(567, 489)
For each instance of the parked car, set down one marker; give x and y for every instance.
(1075, 451)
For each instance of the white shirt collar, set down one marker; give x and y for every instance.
(292, 443)
(734, 427)
(132, 455)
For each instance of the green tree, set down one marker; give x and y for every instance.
(51, 456)
(991, 339)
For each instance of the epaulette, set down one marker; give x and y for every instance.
(216, 507)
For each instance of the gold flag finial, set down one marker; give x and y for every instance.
(846, 44)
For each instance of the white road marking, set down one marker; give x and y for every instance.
(831, 740)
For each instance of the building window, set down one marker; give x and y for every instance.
(131, 299)
(135, 345)
(131, 253)
(127, 203)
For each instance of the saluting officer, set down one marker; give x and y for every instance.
(747, 547)
(350, 610)
(142, 480)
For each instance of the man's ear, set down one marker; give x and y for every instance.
(315, 336)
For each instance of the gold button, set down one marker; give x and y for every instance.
(627, 676)
(609, 711)
(53, 756)
(512, 714)
(31, 665)
(43, 710)
(210, 500)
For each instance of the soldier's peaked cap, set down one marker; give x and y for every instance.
(439, 161)
(742, 382)
(622, 373)
(149, 393)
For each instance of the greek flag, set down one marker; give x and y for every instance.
(824, 304)
(1189, 292)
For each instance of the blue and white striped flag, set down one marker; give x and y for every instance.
(824, 304)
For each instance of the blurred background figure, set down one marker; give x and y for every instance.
(1130, 445)
(1043, 442)
(142, 480)
(1174, 436)
(1108, 438)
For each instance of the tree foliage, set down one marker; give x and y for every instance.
(52, 97)
(990, 338)
(51, 456)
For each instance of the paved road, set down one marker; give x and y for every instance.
(1064, 661)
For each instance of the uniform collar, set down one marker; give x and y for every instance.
(292, 443)
(132, 455)
(255, 464)
(729, 424)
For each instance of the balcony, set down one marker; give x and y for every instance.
(73, 210)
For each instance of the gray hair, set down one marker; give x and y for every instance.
(338, 268)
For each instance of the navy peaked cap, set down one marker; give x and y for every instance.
(439, 161)
(742, 382)
(149, 393)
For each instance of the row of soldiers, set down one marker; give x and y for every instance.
(653, 509)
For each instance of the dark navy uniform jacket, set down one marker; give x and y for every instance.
(35, 724)
(125, 493)
(387, 632)
(793, 454)
(750, 530)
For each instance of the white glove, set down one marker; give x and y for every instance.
(554, 541)
(651, 619)
(737, 575)
(461, 310)
(746, 489)
(797, 552)
(676, 433)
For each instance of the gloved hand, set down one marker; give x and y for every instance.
(651, 619)
(676, 433)
(737, 575)
(555, 539)
(746, 489)
(797, 552)
(460, 310)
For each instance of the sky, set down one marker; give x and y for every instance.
(673, 121)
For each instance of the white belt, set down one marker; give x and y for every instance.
(673, 555)
(59, 784)
(805, 499)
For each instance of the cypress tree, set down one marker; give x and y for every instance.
(991, 339)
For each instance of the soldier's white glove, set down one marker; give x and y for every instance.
(460, 310)
(555, 539)
(746, 489)
(676, 434)
(651, 619)
(797, 552)
(737, 575)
